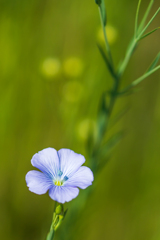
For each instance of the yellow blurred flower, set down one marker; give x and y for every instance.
(112, 34)
(50, 67)
(72, 91)
(85, 127)
(73, 67)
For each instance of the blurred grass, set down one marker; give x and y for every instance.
(35, 113)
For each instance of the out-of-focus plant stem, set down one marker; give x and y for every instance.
(58, 216)
(106, 39)
(128, 55)
(145, 16)
(105, 111)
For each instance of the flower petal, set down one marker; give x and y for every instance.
(70, 161)
(63, 194)
(38, 182)
(82, 178)
(47, 161)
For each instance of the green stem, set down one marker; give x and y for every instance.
(54, 224)
(50, 235)
(103, 129)
(136, 20)
(105, 119)
(106, 40)
(127, 57)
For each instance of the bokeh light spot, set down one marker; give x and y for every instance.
(85, 127)
(50, 67)
(73, 67)
(112, 34)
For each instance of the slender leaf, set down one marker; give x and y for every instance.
(103, 17)
(136, 20)
(154, 63)
(137, 81)
(151, 20)
(106, 61)
(147, 34)
(141, 26)
(103, 115)
(127, 91)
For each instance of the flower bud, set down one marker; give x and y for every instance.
(98, 2)
(59, 209)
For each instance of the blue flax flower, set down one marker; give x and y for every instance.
(61, 174)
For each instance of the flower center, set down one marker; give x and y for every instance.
(58, 183)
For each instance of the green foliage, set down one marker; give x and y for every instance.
(105, 111)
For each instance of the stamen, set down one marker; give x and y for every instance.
(65, 178)
(60, 173)
(58, 183)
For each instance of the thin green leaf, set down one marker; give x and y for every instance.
(137, 81)
(126, 92)
(102, 12)
(147, 34)
(141, 26)
(136, 20)
(65, 212)
(149, 23)
(154, 63)
(106, 60)
(103, 115)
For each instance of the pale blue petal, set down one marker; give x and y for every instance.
(47, 161)
(63, 194)
(82, 178)
(70, 161)
(38, 182)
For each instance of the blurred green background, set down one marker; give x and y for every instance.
(51, 80)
